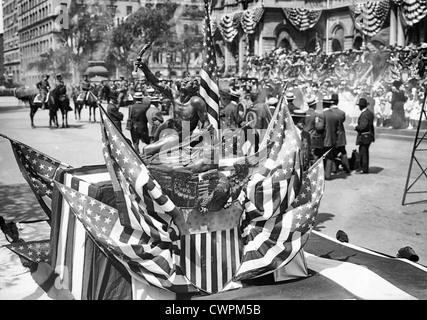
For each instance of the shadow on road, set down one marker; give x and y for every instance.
(321, 218)
(375, 170)
(20, 204)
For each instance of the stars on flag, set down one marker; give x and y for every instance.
(36, 251)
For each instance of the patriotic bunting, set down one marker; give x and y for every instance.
(38, 170)
(279, 208)
(301, 18)
(250, 18)
(369, 17)
(412, 10)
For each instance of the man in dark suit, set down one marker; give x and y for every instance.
(365, 134)
(113, 110)
(315, 126)
(331, 137)
(342, 140)
(138, 115)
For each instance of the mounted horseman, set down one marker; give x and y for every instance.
(44, 88)
(61, 99)
(85, 86)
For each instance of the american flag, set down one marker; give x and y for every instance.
(38, 170)
(269, 238)
(149, 224)
(36, 251)
(209, 89)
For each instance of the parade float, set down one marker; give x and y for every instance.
(151, 228)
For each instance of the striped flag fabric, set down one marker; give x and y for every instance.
(209, 89)
(82, 267)
(280, 203)
(339, 271)
(39, 170)
(150, 225)
(210, 259)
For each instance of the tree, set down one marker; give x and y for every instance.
(146, 25)
(87, 29)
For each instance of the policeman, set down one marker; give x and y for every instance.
(44, 88)
(85, 86)
(122, 90)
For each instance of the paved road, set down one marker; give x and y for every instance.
(367, 207)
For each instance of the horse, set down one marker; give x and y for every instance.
(79, 102)
(35, 103)
(62, 102)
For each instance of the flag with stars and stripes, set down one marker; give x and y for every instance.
(36, 251)
(269, 240)
(209, 89)
(38, 170)
(148, 225)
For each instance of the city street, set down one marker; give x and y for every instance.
(367, 207)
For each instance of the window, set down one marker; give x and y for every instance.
(128, 10)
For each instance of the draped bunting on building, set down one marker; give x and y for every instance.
(301, 18)
(229, 25)
(412, 10)
(250, 19)
(247, 19)
(369, 17)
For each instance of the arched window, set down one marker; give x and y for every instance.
(338, 38)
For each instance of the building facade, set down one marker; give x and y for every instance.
(254, 27)
(11, 51)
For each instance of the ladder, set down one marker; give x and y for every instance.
(419, 138)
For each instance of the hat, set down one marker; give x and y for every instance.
(423, 46)
(46, 75)
(138, 95)
(290, 96)
(334, 98)
(312, 101)
(298, 113)
(362, 102)
(273, 101)
(150, 90)
(234, 95)
(59, 76)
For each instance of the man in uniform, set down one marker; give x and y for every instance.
(230, 111)
(122, 90)
(85, 86)
(44, 88)
(62, 91)
(365, 134)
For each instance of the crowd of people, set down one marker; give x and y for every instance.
(329, 90)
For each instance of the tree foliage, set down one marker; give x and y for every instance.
(148, 24)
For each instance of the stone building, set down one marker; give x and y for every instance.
(257, 26)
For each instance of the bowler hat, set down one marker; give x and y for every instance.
(408, 253)
(362, 102)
